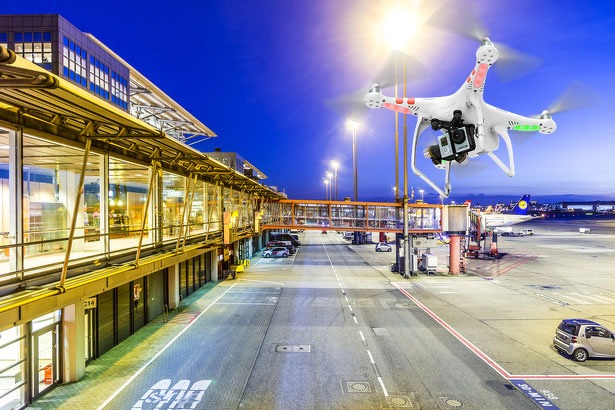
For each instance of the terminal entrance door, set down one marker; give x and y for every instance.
(90, 334)
(45, 359)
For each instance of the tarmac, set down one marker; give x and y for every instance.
(533, 277)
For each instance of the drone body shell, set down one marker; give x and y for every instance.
(491, 123)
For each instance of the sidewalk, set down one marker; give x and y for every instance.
(109, 372)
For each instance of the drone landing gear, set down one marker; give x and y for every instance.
(510, 169)
(421, 125)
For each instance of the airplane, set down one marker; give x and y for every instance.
(499, 219)
(470, 127)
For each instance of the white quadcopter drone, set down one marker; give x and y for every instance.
(470, 127)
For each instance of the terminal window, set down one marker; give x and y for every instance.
(99, 78)
(74, 62)
(119, 90)
(35, 47)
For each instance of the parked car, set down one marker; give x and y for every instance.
(277, 252)
(294, 235)
(383, 247)
(291, 249)
(582, 339)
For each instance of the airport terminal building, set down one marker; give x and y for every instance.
(108, 216)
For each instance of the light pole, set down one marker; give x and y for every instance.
(335, 165)
(421, 191)
(398, 28)
(353, 127)
(326, 181)
(329, 175)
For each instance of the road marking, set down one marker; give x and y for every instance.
(550, 299)
(534, 395)
(180, 396)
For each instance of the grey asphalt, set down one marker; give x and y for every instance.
(333, 328)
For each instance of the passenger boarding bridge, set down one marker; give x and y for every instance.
(351, 216)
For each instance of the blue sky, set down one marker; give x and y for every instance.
(261, 74)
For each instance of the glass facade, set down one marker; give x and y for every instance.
(34, 230)
(13, 369)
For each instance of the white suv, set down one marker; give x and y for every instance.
(582, 339)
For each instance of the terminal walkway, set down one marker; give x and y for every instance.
(108, 373)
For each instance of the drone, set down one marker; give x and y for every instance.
(470, 127)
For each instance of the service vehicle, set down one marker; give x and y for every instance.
(383, 247)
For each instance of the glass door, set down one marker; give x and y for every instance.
(45, 357)
(90, 334)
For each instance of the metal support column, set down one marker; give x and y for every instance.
(150, 191)
(76, 210)
(182, 219)
(406, 240)
(16, 224)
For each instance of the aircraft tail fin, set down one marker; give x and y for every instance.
(522, 206)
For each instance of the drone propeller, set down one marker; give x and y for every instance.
(463, 21)
(387, 76)
(576, 96)
(466, 22)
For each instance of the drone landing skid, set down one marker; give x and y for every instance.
(510, 169)
(423, 123)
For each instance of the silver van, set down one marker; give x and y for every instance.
(582, 339)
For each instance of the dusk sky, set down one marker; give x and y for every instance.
(267, 76)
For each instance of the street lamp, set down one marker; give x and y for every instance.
(326, 181)
(335, 165)
(329, 175)
(421, 191)
(352, 125)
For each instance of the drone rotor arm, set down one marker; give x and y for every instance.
(516, 122)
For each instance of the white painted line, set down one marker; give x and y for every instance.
(384, 389)
(261, 281)
(371, 358)
(362, 337)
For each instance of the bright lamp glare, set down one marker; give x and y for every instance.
(398, 27)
